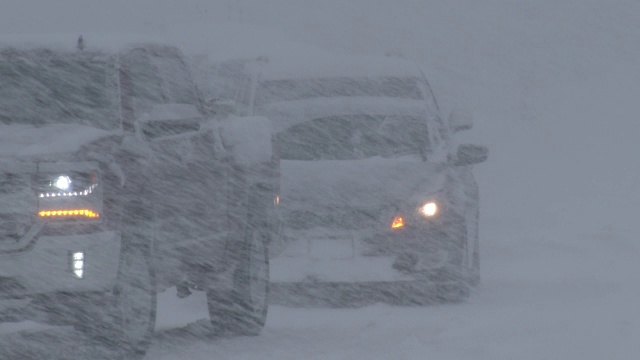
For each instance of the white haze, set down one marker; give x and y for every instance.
(554, 90)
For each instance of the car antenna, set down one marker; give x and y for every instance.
(80, 44)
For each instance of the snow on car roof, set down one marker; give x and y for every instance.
(68, 41)
(324, 65)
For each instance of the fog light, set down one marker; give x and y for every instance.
(77, 264)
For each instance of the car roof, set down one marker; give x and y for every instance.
(66, 42)
(328, 65)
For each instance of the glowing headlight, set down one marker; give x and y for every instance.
(68, 186)
(429, 209)
(72, 194)
(63, 182)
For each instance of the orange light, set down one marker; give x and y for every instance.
(397, 223)
(69, 213)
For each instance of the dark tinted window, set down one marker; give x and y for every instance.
(354, 137)
(146, 84)
(177, 78)
(159, 78)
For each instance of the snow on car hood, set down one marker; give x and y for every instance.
(353, 190)
(26, 140)
(288, 113)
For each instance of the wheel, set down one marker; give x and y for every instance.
(474, 241)
(124, 321)
(474, 278)
(135, 300)
(455, 279)
(243, 310)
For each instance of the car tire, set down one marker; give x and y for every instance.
(454, 284)
(243, 309)
(474, 276)
(125, 319)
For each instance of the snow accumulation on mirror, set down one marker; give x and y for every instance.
(257, 180)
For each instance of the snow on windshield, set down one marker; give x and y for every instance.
(361, 134)
(41, 87)
(349, 137)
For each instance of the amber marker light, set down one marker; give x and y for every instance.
(68, 213)
(397, 223)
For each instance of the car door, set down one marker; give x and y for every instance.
(186, 174)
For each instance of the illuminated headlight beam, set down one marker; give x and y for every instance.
(429, 209)
(62, 182)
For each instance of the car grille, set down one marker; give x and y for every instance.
(344, 218)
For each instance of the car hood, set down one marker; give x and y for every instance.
(353, 193)
(27, 141)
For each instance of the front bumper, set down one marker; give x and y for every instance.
(47, 266)
(361, 256)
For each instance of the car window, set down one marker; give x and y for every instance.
(177, 79)
(229, 80)
(146, 84)
(354, 137)
(42, 87)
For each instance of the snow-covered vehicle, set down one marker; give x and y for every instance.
(117, 182)
(375, 196)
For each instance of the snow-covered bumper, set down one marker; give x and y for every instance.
(51, 264)
(325, 255)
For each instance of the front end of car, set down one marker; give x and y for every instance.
(394, 227)
(398, 244)
(59, 125)
(54, 237)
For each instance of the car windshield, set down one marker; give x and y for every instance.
(354, 137)
(271, 91)
(42, 87)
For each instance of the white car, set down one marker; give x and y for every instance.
(374, 199)
(116, 183)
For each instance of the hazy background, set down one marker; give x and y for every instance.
(554, 87)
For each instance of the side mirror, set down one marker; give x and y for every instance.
(469, 154)
(460, 119)
(221, 108)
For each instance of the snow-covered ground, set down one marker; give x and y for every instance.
(554, 89)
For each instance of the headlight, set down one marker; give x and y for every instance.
(429, 209)
(63, 182)
(70, 195)
(68, 185)
(426, 207)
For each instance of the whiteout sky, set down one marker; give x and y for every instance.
(554, 90)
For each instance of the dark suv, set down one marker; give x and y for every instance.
(117, 182)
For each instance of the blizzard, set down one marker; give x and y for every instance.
(553, 87)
